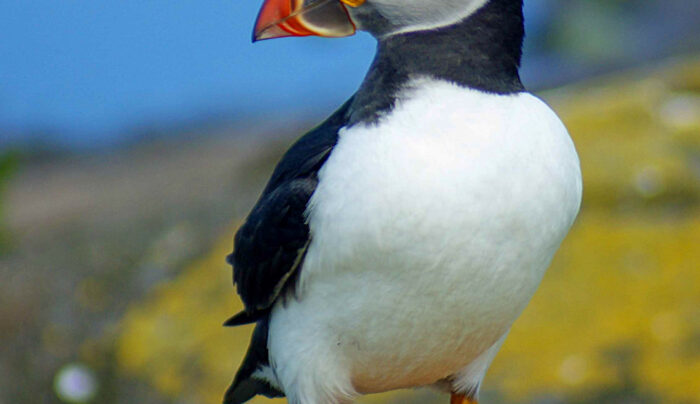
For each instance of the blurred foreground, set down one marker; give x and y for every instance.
(111, 265)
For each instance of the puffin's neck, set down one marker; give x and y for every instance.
(481, 52)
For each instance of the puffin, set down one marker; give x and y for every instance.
(396, 243)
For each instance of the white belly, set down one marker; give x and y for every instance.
(430, 233)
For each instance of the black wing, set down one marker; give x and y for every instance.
(270, 246)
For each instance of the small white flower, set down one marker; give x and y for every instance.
(75, 383)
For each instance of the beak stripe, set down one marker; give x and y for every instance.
(353, 3)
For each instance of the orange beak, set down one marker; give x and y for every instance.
(281, 18)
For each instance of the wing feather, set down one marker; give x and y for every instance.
(269, 248)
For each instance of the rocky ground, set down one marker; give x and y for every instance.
(92, 234)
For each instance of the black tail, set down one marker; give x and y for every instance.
(244, 390)
(241, 318)
(245, 386)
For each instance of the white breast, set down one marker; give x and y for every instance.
(431, 231)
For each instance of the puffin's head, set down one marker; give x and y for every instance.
(338, 18)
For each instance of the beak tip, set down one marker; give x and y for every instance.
(266, 33)
(254, 36)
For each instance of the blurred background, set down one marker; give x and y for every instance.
(136, 135)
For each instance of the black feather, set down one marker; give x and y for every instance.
(482, 52)
(270, 245)
(240, 318)
(244, 385)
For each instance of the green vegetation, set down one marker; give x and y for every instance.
(617, 318)
(9, 160)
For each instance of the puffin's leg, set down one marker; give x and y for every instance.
(456, 398)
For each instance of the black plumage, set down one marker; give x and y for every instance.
(482, 52)
(269, 247)
(244, 387)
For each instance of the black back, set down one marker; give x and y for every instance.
(270, 245)
(482, 52)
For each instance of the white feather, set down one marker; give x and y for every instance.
(431, 231)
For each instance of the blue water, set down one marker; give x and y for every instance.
(81, 71)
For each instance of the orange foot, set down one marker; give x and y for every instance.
(461, 399)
